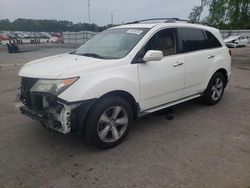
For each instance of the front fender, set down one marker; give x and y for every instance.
(95, 85)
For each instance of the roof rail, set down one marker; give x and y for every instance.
(167, 20)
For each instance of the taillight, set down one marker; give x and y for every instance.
(230, 52)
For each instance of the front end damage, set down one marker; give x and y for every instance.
(51, 111)
(57, 117)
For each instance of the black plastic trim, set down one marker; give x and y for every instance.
(40, 116)
(60, 99)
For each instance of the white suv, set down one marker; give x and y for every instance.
(124, 73)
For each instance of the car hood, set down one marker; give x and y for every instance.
(231, 38)
(64, 66)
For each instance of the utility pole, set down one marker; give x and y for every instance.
(89, 9)
(112, 18)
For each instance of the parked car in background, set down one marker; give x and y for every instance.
(4, 38)
(236, 41)
(124, 73)
(44, 35)
(56, 38)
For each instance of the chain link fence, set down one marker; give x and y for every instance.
(77, 38)
(227, 33)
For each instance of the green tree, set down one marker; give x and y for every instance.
(5, 24)
(225, 14)
(195, 14)
(47, 25)
(218, 13)
(239, 13)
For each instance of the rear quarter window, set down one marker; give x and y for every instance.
(192, 39)
(212, 41)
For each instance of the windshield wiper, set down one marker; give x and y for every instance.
(73, 52)
(92, 55)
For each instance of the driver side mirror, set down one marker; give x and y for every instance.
(153, 55)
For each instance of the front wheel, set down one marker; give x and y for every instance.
(215, 89)
(108, 122)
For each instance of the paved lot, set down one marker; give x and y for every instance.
(201, 147)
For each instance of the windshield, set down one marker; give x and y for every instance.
(112, 43)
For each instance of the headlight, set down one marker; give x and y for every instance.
(54, 87)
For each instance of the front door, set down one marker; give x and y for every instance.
(162, 81)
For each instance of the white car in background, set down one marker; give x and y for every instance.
(236, 41)
(124, 73)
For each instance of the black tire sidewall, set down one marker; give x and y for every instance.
(93, 117)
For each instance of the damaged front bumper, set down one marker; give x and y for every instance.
(56, 117)
(54, 113)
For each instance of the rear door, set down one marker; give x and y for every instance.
(197, 58)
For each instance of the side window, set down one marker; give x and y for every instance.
(212, 41)
(165, 41)
(192, 39)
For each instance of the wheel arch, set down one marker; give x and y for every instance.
(206, 98)
(126, 96)
(120, 93)
(224, 72)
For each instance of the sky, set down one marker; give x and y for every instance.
(100, 10)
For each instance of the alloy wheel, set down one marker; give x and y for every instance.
(112, 124)
(217, 89)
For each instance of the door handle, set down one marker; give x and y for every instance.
(210, 57)
(177, 64)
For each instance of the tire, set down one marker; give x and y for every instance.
(215, 89)
(108, 122)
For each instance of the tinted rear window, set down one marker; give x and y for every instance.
(212, 41)
(192, 39)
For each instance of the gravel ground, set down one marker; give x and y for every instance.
(201, 147)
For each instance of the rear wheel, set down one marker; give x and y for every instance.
(108, 122)
(215, 89)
